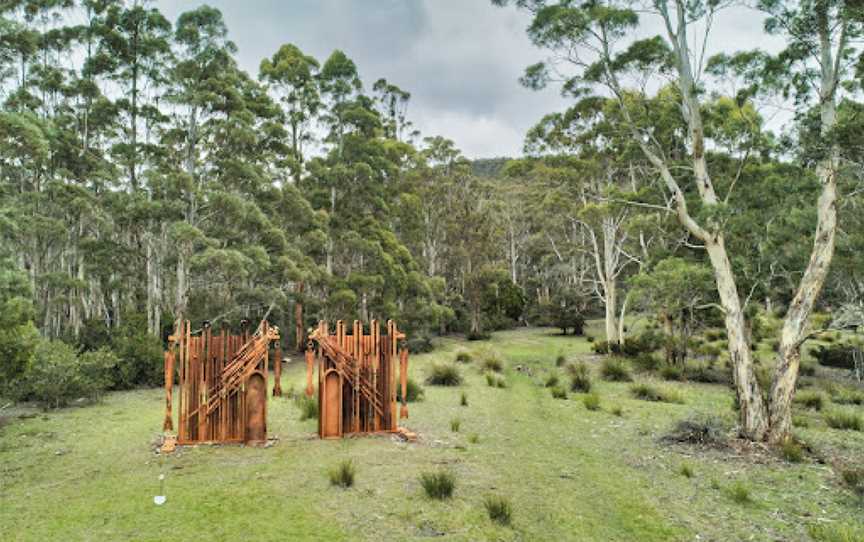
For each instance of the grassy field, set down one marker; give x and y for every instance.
(91, 473)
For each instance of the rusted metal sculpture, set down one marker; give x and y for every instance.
(222, 383)
(357, 378)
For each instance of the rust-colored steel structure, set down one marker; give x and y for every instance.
(357, 378)
(222, 383)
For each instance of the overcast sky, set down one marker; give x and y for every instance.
(460, 59)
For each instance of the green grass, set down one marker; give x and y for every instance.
(90, 473)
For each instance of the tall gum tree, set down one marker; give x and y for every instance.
(592, 49)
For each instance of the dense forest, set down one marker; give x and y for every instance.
(145, 178)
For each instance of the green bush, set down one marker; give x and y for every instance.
(647, 363)
(343, 474)
(650, 392)
(580, 377)
(18, 335)
(479, 336)
(444, 375)
(57, 375)
(560, 360)
(813, 400)
(420, 345)
(140, 359)
(615, 370)
(558, 392)
(414, 392)
(552, 380)
(841, 419)
(438, 485)
(492, 364)
(499, 509)
(699, 372)
(591, 401)
(847, 396)
(672, 372)
(617, 411)
(835, 355)
(646, 343)
(589, 338)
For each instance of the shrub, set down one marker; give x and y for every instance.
(140, 358)
(791, 451)
(558, 392)
(463, 400)
(617, 411)
(58, 376)
(702, 430)
(807, 369)
(464, 357)
(739, 492)
(414, 392)
(308, 407)
(420, 345)
(615, 370)
(589, 338)
(835, 355)
(840, 419)
(438, 485)
(444, 375)
(646, 362)
(591, 401)
(580, 377)
(560, 360)
(715, 334)
(343, 474)
(697, 372)
(650, 392)
(97, 367)
(552, 380)
(686, 470)
(633, 346)
(499, 509)
(473, 438)
(671, 372)
(813, 400)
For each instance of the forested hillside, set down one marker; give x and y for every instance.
(145, 178)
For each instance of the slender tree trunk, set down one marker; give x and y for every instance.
(753, 414)
(611, 294)
(298, 318)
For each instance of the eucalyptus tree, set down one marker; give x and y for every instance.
(293, 76)
(593, 49)
(393, 102)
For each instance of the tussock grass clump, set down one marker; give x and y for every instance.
(615, 370)
(463, 400)
(686, 470)
(853, 478)
(591, 401)
(841, 419)
(308, 407)
(848, 396)
(464, 357)
(791, 451)
(822, 532)
(650, 392)
(701, 430)
(617, 411)
(455, 424)
(739, 492)
(343, 474)
(492, 364)
(473, 438)
(560, 360)
(444, 375)
(438, 485)
(580, 377)
(813, 400)
(647, 363)
(558, 392)
(552, 380)
(414, 392)
(495, 381)
(499, 509)
(800, 421)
